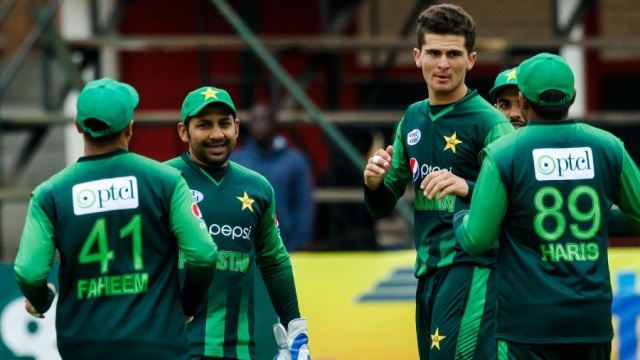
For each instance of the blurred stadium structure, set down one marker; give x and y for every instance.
(339, 71)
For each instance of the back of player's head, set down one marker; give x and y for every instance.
(198, 99)
(105, 106)
(547, 82)
(447, 19)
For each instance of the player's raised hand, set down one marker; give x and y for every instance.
(31, 310)
(442, 183)
(293, 344)
(377, 167)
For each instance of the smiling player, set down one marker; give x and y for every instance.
(239, 209)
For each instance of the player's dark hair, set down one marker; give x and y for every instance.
(447, 19)
(94, 124)
(551, 112)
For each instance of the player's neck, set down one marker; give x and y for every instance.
(91, 148)
(448, 98)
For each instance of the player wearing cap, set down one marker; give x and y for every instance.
(505, 97)
(548, 190)
(117, 220)
(239, 209)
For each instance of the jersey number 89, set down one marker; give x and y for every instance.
(553, 210)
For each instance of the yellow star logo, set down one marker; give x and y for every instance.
(209, 93)
(511, 75)
(435, 340)
(246, 202)
(452, 141)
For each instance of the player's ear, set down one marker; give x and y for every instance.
(416, 57)
(78, 127)
(524, 103)
(575, 92)
(183, 132)
(472, 60)
(128, 131)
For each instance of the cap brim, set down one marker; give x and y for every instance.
(197, 110)
(493, 92)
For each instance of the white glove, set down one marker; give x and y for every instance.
(292, 344)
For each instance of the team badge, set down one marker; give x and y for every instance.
(413, 137)
(435, 339)
(452, 141)
(247, 203)
(415, 168)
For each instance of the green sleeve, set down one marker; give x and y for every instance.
(282, 292)
(35, 257)
(626, 220)
(499, 130)
(200, 252)
(382, 201)
(479, 229)
(275, 266)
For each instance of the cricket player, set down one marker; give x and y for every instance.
(117, 220)
(547, 191)
(436, 149)
(505, 97)
(239, 209)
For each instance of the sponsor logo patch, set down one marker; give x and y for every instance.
(105, 195)
(413, 137)
(563, 163)
(196, 211)
(197, 196)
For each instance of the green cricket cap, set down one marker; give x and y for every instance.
(546, 72)
(109, 101)
(199, 98)
(505, 78)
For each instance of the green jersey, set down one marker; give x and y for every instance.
(115, 218)
(553, 183)
(427, 140)
(239, 211)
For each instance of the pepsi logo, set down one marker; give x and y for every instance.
(196, 211)
(415, 168)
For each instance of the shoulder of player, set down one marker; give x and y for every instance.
(418, 107)
(483, 111)
(244, 174)
(177, 163)
(153, 167)
(504, 144)
(597, 133)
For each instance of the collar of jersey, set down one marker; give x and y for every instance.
(448, 109)
(187, 156)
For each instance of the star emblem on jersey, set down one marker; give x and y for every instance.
(452, 141)
(435, 340)
(511, 75)
(209, 94)
(247, 203)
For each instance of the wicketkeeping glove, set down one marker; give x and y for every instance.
(292, 344)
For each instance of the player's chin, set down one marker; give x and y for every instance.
(218, 160)
(518, 124)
